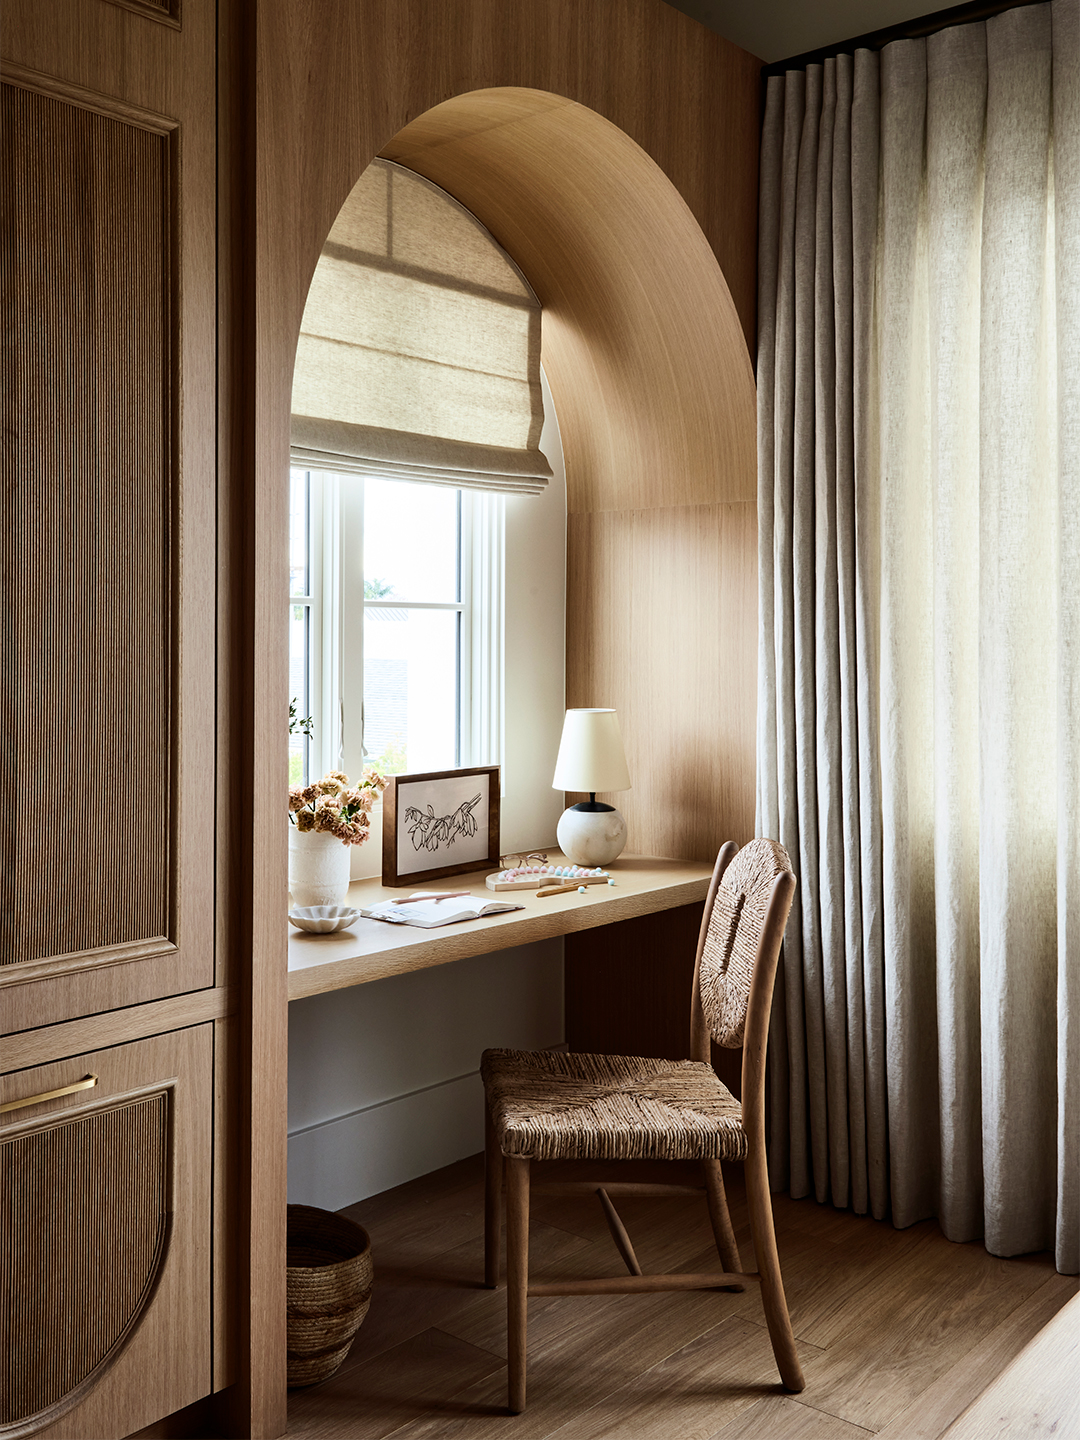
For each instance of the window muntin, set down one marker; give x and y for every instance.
(404, 610)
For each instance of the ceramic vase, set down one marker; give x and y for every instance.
(318, 868)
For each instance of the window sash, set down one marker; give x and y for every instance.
(337, 609)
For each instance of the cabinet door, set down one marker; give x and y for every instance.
(105, 1213)
(107, 505)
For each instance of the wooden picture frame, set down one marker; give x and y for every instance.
(450, 816)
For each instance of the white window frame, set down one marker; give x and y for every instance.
(336, 624)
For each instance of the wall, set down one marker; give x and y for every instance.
(633, 124)
(383, 1079)
(644, 345)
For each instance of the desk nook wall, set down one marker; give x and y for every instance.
(611, 148)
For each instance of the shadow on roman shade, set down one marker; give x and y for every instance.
(419, 350)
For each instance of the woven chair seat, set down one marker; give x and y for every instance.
(551, 1106)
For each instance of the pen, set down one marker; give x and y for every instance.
(414, 899)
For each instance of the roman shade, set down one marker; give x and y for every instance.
(419, 350)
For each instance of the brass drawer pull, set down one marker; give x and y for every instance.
(87, 1084)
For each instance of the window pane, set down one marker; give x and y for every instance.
(299, 527)
(410, 541)
(410, 689)
(299, 690)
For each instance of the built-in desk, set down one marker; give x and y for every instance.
(372, 950)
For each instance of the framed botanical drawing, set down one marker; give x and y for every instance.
(442, 823)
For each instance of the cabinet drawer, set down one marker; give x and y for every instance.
(105, 1212)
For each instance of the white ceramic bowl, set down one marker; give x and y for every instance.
(323, 919)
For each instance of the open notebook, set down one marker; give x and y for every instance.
(427, 909)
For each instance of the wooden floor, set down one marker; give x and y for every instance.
(898, 1330)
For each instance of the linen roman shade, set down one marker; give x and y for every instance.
(419, 350)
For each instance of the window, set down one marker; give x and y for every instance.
(418, 364)
(396, 624)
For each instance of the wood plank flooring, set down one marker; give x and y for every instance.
(898, 1330)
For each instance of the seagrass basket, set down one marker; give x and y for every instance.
(328, 1291)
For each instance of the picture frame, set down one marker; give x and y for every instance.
(443, 822)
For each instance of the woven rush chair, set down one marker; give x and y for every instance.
(545, 1105)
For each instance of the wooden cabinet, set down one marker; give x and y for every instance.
(107, 506)
(109, 771)
(105, 1210)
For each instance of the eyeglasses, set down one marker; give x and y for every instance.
(515, 862)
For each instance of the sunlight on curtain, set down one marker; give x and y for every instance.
(919, 717)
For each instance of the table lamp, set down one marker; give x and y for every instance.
(591, 758)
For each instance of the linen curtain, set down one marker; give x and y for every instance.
(419, 350)
(919, 664)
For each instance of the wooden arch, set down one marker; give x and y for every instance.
(642, 345)
(655, 396)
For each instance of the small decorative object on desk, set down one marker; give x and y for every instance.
(532, 877)
(428, 909)
(445, 822)
(591, 758)
(327, 817)
(323, 919)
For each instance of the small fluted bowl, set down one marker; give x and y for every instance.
(323, 919)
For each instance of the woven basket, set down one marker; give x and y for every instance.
(328, 1291)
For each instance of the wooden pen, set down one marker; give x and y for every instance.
(435, 899)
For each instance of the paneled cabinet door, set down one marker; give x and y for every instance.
(105, 1186)
(107, 505)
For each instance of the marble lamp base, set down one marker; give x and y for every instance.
(591, 833)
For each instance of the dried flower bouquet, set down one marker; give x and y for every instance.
(335, 807)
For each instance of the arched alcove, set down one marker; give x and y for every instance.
(642, 344)
(654, 392)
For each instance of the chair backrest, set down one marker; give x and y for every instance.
(738, 950)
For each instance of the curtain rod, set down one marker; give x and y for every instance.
(909, 30)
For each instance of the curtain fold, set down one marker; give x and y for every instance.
(919, 561)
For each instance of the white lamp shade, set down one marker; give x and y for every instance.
(591, 754)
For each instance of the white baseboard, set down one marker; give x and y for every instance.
(343, 1160)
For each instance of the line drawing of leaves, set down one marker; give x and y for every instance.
(429, 831)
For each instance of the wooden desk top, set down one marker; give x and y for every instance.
(371, 949)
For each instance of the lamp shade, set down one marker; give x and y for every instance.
(591, 754)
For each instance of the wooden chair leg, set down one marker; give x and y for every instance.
(493, 1184)
(768, 1263)
(723, 1233)
(517, 1276)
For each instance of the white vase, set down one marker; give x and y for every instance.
(318, 868)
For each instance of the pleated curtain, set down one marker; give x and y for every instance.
(919, 664)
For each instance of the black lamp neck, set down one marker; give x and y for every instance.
(592, 806)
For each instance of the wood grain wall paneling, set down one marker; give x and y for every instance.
(163, 1363)
(341, 81)
(647, 363)
(674, 652)
(628, 991)
(642, 344)
(250, 1139)
(646, 348)
(628, 986)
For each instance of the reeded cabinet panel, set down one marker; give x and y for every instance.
(104, 1212)
(107, 499)
(87, 539)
